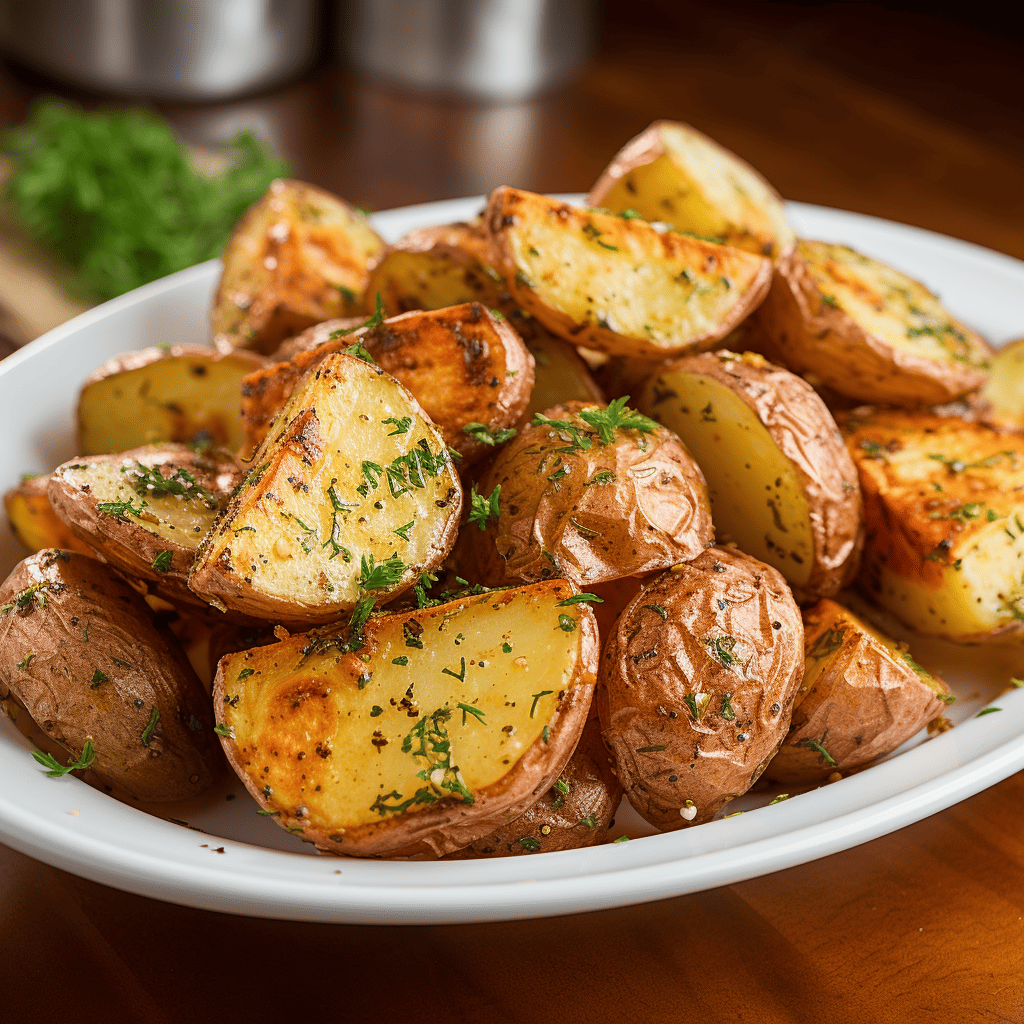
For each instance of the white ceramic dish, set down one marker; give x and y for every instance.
(242, 863)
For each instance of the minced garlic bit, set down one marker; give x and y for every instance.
(688, 811)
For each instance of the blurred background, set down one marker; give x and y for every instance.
(912, 112)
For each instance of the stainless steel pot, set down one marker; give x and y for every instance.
(172, 49)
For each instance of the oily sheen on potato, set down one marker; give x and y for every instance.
(618, 285)
(467, 368)
(782, 485)
(862, 695)
(412, 733)
(697, 684)
(593, 493)
(868, 331)
(944, 511)
(299, 256)
(145, 511)
(351, 492)
(79, 651)
(675, 174)
(183, 393)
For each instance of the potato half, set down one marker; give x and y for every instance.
(593, 503)
(867, 330)
(411, 734)
(944, 511)
(33, 521)
(1004, 389)
(352, 492)
(431, 268)
(619, 285)
(575, 812)
(862, 695)
(299, 256)
(147, 510)
(185, 393)
(467, 368)
(81, 653)
(782, 485)
(675, 174)
(697, 684)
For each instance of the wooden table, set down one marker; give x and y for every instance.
(912, 118)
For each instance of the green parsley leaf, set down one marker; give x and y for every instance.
(483, 510)
(579, 599)
(375, 575)
(616, 416)
(988, 711)
(162, 562)
(536, 700)
(483, 434)
(222, 729)
(57, 770)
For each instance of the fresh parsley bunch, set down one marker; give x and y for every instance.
(115, 195)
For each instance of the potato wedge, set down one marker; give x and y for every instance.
(352, 492)
(313, 336)
(147, 510)
(593, 494)
(619, 286)
(466, 367)
(33, 521)
(186, 394)
(697, 684)
(782, 485)
(431, 268)
(412, 733)
(862, 695)
(299, 256)
(81, 653)
(575, 812)
(944, 511)
(675, 174)
(1004, 389)
(867, 330)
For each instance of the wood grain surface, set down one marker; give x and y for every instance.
(917, 117)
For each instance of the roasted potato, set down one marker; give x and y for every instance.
(147, 510)
(675, 174)
(1004, 389)
(436, 267)
(697, 684)
(591, 493)
(81, 654)
(185, 393)
(33, 521)
(575, 812)
(299, 256)
(414, 733)
(867, 330)
(862, 695)
(944, 511)
(352, 493)
(782, 484)
(313, 336)
(616, 285)
(468, 369)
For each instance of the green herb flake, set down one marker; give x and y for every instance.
(483, 509)
(482, 433)
(818, 747)
(375, 575)
(566, 623)
(529, 843)
(24, 663)
(460, 675)
(507, 648)
(579, 599)
(589, 821)
(376, 711)
(222, 729)
(56, 770)
(121, 509)
(403, 531)
(400, 660)
(162, 562)
(727, 710)
(988, 711)
(779, 799)
(147, 733)
(625, 839)
(98, 677)
(401, 425)
(616, 416)
(658, 610)
(650, 750)
(468, 709)
(536, 700)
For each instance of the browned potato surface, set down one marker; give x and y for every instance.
(862, 695)
(80, 652)
(1004, 390)
(575, 812)
(465, 366)
(299, 256)
(618, 285)
(147, 510)
(867, 330)
(33, 521)
(782, 485)
(944, 511)
(697, 685)
(352, 494)
(675, 174)
(585, 495)
(182, 393)
(412, 734)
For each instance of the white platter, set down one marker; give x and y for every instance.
(244, 864)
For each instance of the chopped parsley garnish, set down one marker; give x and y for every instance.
(484, 434)
(727, 711)
(778, 799)
(631, 214)
(987, 711)
(483, 509)
(653, 749)
(421, 796)
(162, 562)
(356, 349)
(401, 425)
(374, 321)
(827, 643)
(830, 300)
(403, 531)
(577, 439)
(400, 660)
(721, 648)
(874, 450)
(97, 678)
(57, 770)
(121, 509)
(147, 733)
(529, 843)
(589, 821)
(536, 700)
(566, 623)
(460, 675)
(959, 466)
(616, 416)
(374, 575)
(428, 739)
(658, 610)
(605, 476)
(469, 709)
(222, 729)
(817, 746)
(149, 482)
(964, 513)
(24, 663)
(579, 599)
